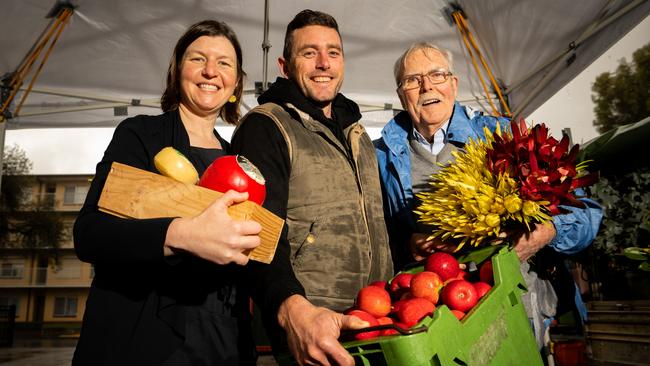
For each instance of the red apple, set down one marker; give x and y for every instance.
(482, 288)
(381, 284)
(413, 310)
(462, 275)
(372, 321)
(458, 314)
(397, 305)
(426, 285)
(444, 264)
(486, 273)
(459, 295)
(374, 300)
(400, 284)
(384, 320)
(237, 173)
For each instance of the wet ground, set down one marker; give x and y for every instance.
(57, 352)
(42, 356)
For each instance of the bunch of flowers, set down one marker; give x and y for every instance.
(505, 183)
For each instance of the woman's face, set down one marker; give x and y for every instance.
(208, 75)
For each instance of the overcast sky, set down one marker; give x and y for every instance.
(571, 107)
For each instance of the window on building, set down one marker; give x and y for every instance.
(49, 197)
(11, 270)
(65, 306)
(9, 300)
(75, 195)
(6, 301)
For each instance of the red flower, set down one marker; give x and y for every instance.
(544, 167)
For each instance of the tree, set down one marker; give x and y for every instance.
(623, 97)
(15, 169)
(24, 225)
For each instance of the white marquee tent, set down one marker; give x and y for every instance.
(114, 54)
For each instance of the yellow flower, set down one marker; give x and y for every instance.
(469, 204)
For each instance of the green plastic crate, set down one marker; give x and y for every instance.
(495, 332)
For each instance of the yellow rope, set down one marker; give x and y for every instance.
(463, 28)
(21, 72)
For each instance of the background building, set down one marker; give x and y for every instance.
(48, 286)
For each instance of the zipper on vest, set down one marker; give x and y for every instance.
(362, 204)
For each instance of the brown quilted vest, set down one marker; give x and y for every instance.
(335, 218)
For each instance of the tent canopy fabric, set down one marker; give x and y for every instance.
(117, 52)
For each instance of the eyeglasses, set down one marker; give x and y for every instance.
(415, 81)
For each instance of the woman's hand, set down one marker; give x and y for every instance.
(213, 235)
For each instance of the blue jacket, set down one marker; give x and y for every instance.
(575, 230)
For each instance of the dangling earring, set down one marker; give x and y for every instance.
(232, 99)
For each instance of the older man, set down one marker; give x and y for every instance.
(431, 127)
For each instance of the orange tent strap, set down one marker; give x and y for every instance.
(463, 31)
(487, 68)
(23, 69)
(65, 16)
(463, 28)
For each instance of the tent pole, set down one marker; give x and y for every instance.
(3, 129)
(133, 102)
(265, 47)
(94, 107)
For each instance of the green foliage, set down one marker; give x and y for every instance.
(626, 202)
(37, 229)
(623, 97)
(15, 161)
(24, 226)
(15, 167)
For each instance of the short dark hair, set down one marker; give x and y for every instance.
(303, 19)
(171, 98)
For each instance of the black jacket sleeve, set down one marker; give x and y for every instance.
(260, 141)
(100, 237)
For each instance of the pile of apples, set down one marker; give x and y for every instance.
(407, 298)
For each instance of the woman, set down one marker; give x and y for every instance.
(166, 290)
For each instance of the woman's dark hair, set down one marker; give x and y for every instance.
(171, 98)
(303, 19)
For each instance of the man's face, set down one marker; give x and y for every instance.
(316, 63)
(430, 105)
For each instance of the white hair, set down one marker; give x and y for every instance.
(398, 69)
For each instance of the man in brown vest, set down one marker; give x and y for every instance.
(321, 175)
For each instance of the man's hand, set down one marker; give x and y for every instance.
(313, 332)
(422, 248)
(530, 243)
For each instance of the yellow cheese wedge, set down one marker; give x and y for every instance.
(171, 163)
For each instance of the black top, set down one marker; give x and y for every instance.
(202, 157)
(144, 308)
(262, 143)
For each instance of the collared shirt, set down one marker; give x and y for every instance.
(439, 139)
